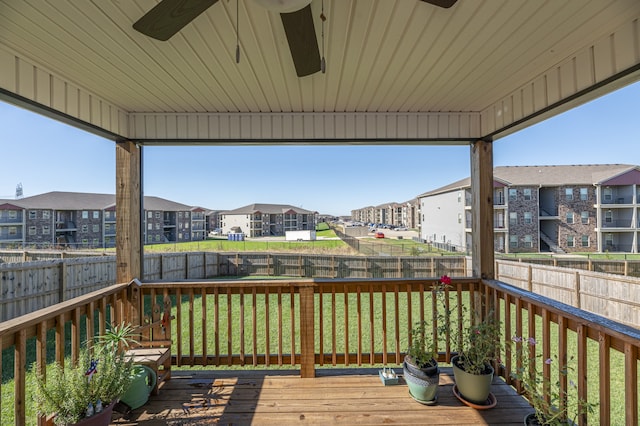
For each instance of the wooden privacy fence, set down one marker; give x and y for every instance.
(612, 296)
(29, 286)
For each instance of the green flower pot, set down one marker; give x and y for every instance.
(473, 387)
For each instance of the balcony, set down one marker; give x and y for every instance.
(300, 324)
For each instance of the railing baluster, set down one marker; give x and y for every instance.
(75, 336)
(191, 328)
(179, 326)
(563, 357)
(241, 330)
(546, 353)
(321, 325)
(604, 376)
(204, 335)
(372, 349)
(267, 328)
(631, 384)
(396, 313)
(334, 345)
(280, 361)
(293, 324)
(346, 325)
(359, 320)
(409, 317)
(507, 339)
(582, 372)
(384, 324)
(216, 324)
(60, 339)
(254, 325)
(229, 330)
(19, 376)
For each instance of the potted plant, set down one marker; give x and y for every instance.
(472, 369)
(556, 409)
(420, 365)
(84, 392)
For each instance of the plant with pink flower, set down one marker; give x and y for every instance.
(553, 410)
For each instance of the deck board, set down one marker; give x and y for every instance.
(335, 396)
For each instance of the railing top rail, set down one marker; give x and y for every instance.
(595, 322)
(29, 320)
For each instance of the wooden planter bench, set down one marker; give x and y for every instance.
(153, 346)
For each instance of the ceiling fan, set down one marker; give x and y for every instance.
(169, 16)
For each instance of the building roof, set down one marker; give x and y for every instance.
(59, 200)
(582, 174)
(267, 208)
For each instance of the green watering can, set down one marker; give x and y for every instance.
(143, 380)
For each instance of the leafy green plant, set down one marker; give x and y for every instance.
(479, 345)
(102, 374)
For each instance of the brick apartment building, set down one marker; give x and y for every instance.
(562, 209)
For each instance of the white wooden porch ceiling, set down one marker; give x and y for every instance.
(397, 70)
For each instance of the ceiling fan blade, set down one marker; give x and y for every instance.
(441, 3)
(170, 16)
(303, 44)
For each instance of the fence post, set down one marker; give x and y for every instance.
(62, 281)
(530, 279)
(307, 333)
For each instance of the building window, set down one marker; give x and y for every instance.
(513, 218)
(158, 215)
(571, 241)
(608, 216)
(186, 225)
(608, 194)
(186, 235)
(33, 214)
(584, 194)
(180, 215)
(157, 237)
(528, 241)
(459, 196)
(96, 242)
(32, 230)
(513, 194)
(186, 215)
(459, 217)
(85, 228)
(85, 242)
(568, 194)
(157, 226)
(96, 228)
(13, 214)
(585, 241)
(85, 215)
(150, 215)
(150, 226)
(46, 230)
(569, 217)
(526, 194)
(150, 238)
(584, 218)
(96, 214)
(13, 231)
(513, 241)
(528, 218)
(46, 214)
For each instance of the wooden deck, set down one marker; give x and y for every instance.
(335, 396)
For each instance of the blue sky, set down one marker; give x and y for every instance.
(45, 155)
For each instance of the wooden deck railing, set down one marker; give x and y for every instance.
(353, 322)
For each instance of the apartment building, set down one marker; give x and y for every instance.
(396, 214)
(261, 220)
(561, 209)
(88, 220)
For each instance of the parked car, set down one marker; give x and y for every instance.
(379, 234)
(402, 228)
